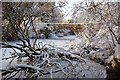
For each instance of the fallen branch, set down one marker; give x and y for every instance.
(21, 49)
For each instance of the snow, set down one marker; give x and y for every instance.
(60, 42)
(90, 69)
(95, 70)
(0, 58)
(117, 51)
(64, 38)
(28, 66)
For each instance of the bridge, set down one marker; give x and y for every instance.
(76, 28)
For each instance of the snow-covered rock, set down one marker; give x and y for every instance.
(82, 68)
(89, 69)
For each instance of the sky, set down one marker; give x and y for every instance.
(68, 7)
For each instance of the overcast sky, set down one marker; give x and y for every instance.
(68, 7)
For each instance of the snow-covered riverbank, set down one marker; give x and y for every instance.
(90, 69)
(60, 42)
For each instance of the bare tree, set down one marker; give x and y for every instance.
(106, 16)
(34, 59)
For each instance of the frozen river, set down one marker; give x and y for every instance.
(96, 69)
(60, 42)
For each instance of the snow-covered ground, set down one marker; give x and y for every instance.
(95, 70)
(60, 42)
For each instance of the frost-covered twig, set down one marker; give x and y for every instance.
(12, 46)
(59, 66)
(24, 66)
(5, 58)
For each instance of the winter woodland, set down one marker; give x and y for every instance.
(39, 42)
